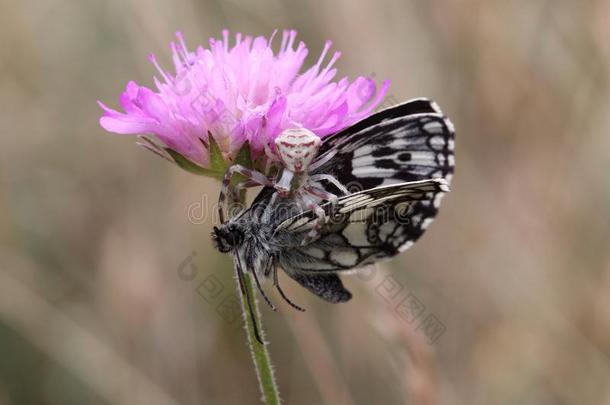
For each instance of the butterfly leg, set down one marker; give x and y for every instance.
(276, 283)
(252, 176)
(260, 289)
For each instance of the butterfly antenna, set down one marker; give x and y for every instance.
(276, 283)
(244, 290)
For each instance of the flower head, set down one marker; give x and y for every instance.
(225, 97)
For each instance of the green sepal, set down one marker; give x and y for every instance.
(217, 163)
(191, 166)
(243, 157)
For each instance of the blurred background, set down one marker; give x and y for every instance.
(111, 293)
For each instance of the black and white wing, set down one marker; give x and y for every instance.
(408, 142)
(362, 228)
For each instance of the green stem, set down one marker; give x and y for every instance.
(260, 354)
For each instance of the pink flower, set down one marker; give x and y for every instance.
(238, 94)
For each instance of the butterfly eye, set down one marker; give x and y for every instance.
(235, 235)
(226, 238)
(217, 240)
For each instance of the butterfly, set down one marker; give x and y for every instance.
(397, 165)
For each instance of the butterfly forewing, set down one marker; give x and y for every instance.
(409, 142)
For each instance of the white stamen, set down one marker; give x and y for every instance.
(153, 60)
(225, 39)
(271, 39)
(182, 50)
(336, 56)
(283, 43)
(293, 35)
(327, 46)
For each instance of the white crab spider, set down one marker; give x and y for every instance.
(296, 149)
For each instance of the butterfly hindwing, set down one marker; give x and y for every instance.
(409, 142)
(363, 227)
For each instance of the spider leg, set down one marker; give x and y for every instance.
(251, 176)
(271, 156)
(269, 208)
(235, 192)
(323, 159)
(330, 179)
(276, 283)
(239, 187)
(313, 205)
(321, 194)
(320, 220)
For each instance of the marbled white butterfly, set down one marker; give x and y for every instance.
(397, 164)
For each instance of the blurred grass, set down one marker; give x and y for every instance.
(93, 229)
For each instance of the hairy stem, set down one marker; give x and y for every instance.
(259, 352)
